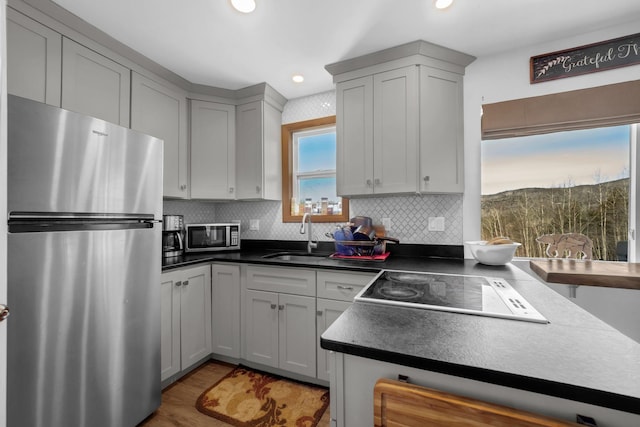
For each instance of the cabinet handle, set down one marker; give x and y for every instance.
(345, 288)
(230, 189)
(281, 307)
(426, 178)
(377, 181)
(369, 183)
(273, 306)
(319, 312)
(183, 187)
(178, 283)
(257, 188)
(185, 283)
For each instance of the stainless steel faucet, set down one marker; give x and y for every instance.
(310, 243)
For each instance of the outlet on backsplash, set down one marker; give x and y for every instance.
(386, 222)
(254, 225)
(436, 223)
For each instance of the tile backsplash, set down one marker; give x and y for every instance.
(409, 214)
(194, 212)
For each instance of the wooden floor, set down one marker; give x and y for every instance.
(178, 406)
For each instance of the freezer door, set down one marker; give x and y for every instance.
(61, 161)
(84, 332)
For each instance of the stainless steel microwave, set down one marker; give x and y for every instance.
(212, 237)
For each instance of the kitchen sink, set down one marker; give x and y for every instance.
(296, 256)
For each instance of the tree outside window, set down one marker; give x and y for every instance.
(558, 183)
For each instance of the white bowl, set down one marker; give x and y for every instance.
(492, 254)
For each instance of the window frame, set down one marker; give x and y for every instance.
(288, 186)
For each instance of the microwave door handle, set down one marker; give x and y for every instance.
(227, 240)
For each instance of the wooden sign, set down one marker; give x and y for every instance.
(620, 52)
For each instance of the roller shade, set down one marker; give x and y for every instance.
(610, 105)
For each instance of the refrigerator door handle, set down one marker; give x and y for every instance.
(53, 226)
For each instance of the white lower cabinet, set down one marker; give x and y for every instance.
(280, 327)
(335, 294)
(327, 311)
(186, 319)
(280, 331)
(225, 309)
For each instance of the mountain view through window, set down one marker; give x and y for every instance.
(558, 183)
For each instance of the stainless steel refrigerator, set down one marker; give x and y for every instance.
(84, 262)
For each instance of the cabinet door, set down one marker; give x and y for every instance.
(94, 84)
(170, 324)
(195, 315)
(213, 154)
(297, 327)
(261, 327)
(249, 150)
(225, 311)
(161, 111)
(354, 136)
(327, 312)
(395, 131)
(272, 153)
(34, 59)
(441, 132)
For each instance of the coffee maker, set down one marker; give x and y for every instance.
(172, 236)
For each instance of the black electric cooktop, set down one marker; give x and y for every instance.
(479, 295)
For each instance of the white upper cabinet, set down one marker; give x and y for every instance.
(399, 121)
(258, 148)
(93, 84)
(213, 155)
(441, 132)
(395, 130)
(161, 111)
(34, 61)
(354, 134)
(377, 133)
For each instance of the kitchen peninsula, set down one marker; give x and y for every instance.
(575, 364)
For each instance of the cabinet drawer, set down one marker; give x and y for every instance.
(296, 281)
(341, 286)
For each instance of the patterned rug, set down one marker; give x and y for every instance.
(249, 398)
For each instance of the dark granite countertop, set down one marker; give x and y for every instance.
(576, 356)
(403, 257)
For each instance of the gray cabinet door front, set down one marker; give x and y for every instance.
(94, 84)
(34, 66)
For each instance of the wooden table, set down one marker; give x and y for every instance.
(609, 274)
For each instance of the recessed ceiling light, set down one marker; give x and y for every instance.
(244, 6)
(298, 78)
(443, 4)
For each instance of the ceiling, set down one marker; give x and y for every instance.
(207, 42)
